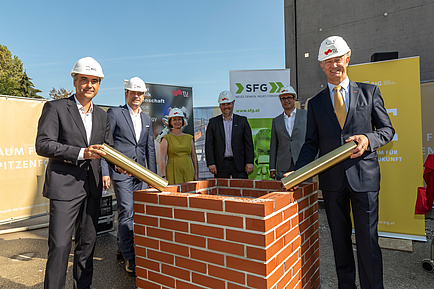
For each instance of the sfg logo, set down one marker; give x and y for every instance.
(271, 87)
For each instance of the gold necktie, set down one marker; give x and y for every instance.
(340, 110)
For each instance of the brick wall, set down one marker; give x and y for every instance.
(227, 233)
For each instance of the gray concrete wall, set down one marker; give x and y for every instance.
(368, 26)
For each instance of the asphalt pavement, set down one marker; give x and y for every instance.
(23, 256)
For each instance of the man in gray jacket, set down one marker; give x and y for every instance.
(288, 131)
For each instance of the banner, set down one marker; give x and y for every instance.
(21, 169)
(257, 98)
(400, 160)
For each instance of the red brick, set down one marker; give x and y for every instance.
(222, 182)
(172, 189)
(291, 235)
(145, 284)
(286, 277)
(213, 191)
(159, 233)
(244, 265)
(255, 224)
(160, 256)
(257, 282)
(145, 220)
(175, 272)
(138, 208)
(225, 220)
(184, 285)
(190, 240)
(139, 230)
(206, 184)
(235, 286)
(268, 185)
(174, 248)
(140, 251)
(226, 274)
(227, 247)
(188, 187)
(284, 254)
(253, 193)
(190, 264)
(208, 231)
(173, 199)
(146, 197)
(206, 202)
(249, 207)
(207, 256)
(269, 238)
(158, 211)
(161, 279)
(190, 215)
(283, 228)
(229, 191)
(146, 242)
(240, 183)
(174, 225)
(148, 264)
(256, 253)
(303, 204)
(207, 281)
(245, 237)
(281, 200)
(275, 276)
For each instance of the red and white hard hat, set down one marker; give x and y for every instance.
(226, 97)
(177, 112)
(87, 66)
(136, 84)
(332, 46)
(288, 90)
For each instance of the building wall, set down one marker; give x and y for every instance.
(368, 26)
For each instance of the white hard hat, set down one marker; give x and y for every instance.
(288, 90)
(333, 46)
(87, 66)
(177, 112)
(136, 84)
(226, 97)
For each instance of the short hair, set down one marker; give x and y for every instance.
(170, 122)
(75, 77)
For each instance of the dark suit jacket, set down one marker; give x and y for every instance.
(284, 148)
(142, 152)
(366, 115)
(242, 143)
(60, 137)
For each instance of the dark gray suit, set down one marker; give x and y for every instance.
(143, 152)
(284, 149)
(73, 187)
(354, 182)
(241, 141)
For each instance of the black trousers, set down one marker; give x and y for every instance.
(229, 169)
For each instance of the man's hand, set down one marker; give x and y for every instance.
(293, 188)
(362, 145)
(212, 169)
(273, 174)
(105, 182)
(93, 152)
(122, 171)
(249, 168)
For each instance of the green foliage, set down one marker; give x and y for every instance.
(13, 80)
(61, 93)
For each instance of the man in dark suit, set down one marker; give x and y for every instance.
(348, 111)
(133, 136)
(287, 134)
(70, 134)
(228, 144)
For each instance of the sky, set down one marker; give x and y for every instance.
(193, 43)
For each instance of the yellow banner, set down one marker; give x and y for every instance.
(21, 169)
(400, 160)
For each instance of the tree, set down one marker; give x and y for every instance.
(61, 93)
(13, 80)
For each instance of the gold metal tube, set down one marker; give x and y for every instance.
(319, 165)
(137, 170)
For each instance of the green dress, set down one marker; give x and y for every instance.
(179, 168)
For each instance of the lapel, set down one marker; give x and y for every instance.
(126, 113)
(221, 127)
(73, 111)
(328, 106)
(296, 122)
(144, 128)
(234, 125)
(354, 92)
(96, 125)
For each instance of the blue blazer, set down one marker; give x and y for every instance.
(366, 115)
(142, 151)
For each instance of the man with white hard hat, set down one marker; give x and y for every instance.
(287, 134)
(70, 134)
(348, 111)
(133, 136)
(228, 144)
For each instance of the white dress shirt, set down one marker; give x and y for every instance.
(345, 92)
(87, 122)
(289, 120)
(137, 122)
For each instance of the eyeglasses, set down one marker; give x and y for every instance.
(287, 98)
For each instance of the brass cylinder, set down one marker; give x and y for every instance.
(135, 169)
(319, 165)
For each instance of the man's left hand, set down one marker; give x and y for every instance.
(362, 145)
(249, 168)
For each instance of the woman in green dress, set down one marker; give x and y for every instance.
(178, 161)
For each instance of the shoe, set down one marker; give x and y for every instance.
(120, 257)
(130, 267)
